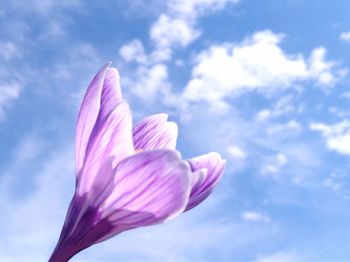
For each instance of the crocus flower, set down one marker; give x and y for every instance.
(127, 176)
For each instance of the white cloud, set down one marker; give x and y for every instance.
(337, 181)
(320, 69)
(8, 50)
(253, 216)
(133, 51)
(264, 114)
(149, 81)
(54, 30)
(177, 26)
(196, 7)
(274, 164)
(257, 63)
(303, 157)
(8, 92)
(28, 149)
(236, 152)
(45, 7)
(280, 256)
(168, 32)
(281, 159)
(283, 106)
(33, 222)
(337, 136)
(185, 13)
(332, 184)
(291, 126)
(346, 95)
(345, 36)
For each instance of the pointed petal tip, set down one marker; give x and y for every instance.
(212, 156)
(164, 115)
(224, 161)
(215, 154)
(159, 117)
(217, 157)
(105, 66)
(202, 184)
(108, 66)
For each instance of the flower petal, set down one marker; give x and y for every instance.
(150, 187)
(207, 171)
(101, 97)
(111, 143)
(111, 95)
(155, 132)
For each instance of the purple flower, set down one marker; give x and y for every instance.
(127, 176)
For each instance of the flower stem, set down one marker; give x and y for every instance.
(63, 252)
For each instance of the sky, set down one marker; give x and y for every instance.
(264, 83)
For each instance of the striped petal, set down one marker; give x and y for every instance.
(207, 171)
(150, 187)
(111, 143)
(101, 97)
(155, 132)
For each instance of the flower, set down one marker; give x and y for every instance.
(127, 177)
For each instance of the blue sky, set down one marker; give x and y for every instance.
(265, 83)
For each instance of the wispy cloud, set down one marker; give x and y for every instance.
(275, 164)
(8, 50)
(32, 220)
(9, 90)
(236, 151)
(280, 256)
(254, 216)
(45, 7)
(337, 136)
(345, 36)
